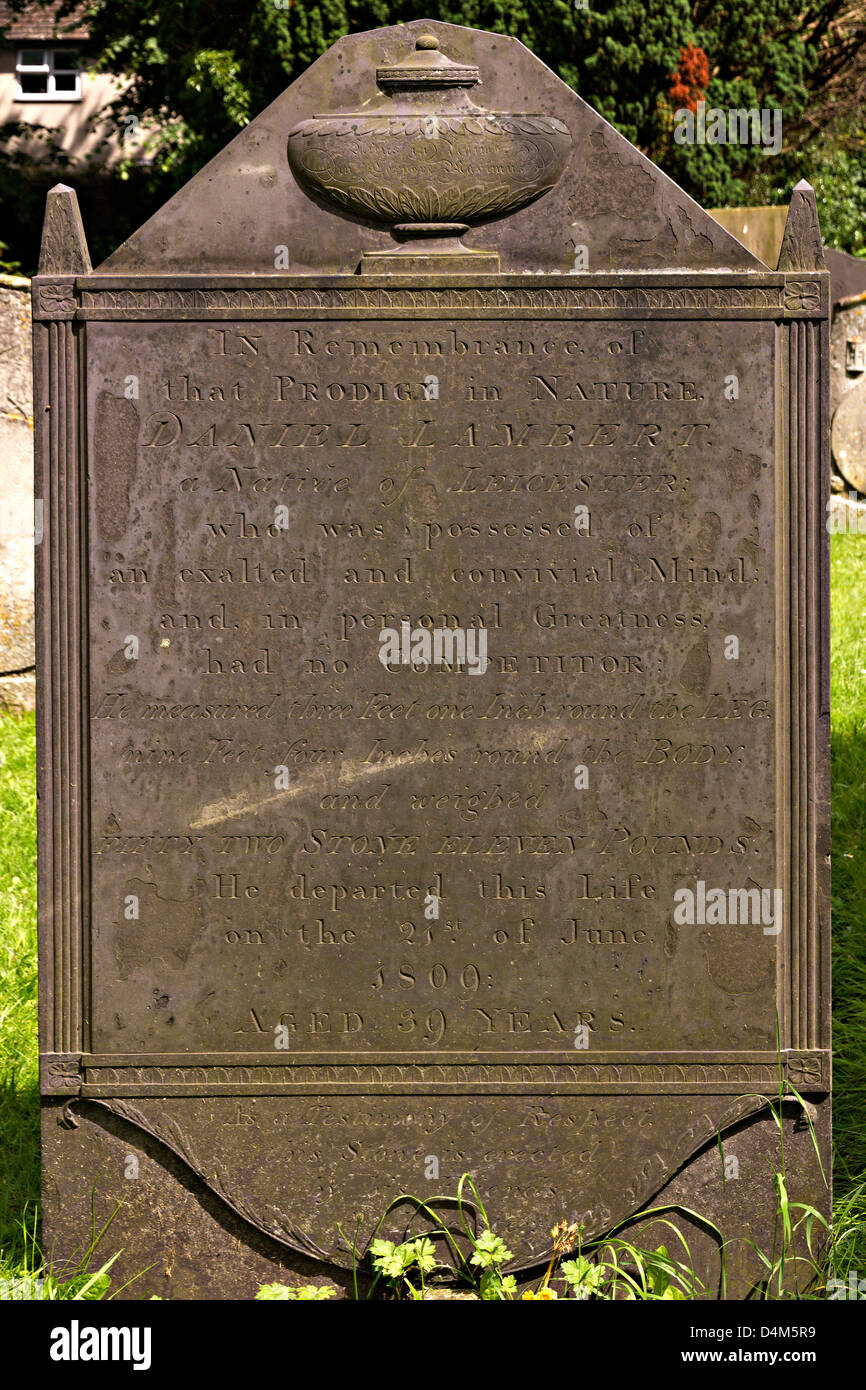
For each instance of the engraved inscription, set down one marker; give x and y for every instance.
(417, 853)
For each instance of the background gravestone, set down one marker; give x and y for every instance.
(847, 393)
(17, 657)
(429, 344)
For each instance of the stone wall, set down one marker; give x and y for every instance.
(17, 655)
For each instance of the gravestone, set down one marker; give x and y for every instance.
(847, 393)
(433, 687)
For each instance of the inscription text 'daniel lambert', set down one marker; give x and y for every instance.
(406, 858)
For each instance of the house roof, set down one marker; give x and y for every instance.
(39, 22)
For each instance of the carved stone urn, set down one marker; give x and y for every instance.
(423, 158)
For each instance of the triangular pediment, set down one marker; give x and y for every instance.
(237, 213)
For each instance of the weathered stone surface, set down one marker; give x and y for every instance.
(360, 912)
(847, 274)
(16, 497)
(759, 228)
(621, 207)
(848, 391)
(802, 247)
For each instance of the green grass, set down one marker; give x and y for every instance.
(19, 1078)
(19, 1105)
(848, 671)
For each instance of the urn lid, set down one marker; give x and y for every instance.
(427, 67)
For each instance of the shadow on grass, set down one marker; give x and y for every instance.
(849, 954)
(19, 1162)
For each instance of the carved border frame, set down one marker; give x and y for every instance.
(62, 716)
(798, 302)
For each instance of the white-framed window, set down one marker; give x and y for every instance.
(48, 74)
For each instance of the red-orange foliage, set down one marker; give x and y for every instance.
(691, 79)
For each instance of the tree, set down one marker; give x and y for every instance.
(199, 70)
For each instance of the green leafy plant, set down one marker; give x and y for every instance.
(583, 1278)
(39, 1280)
(7, 266)
(396, 1262)
(475, 1256)
(298, 1293)
(490, 1254)
(610, 1268)
(615, 1269)
(630, 1273)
